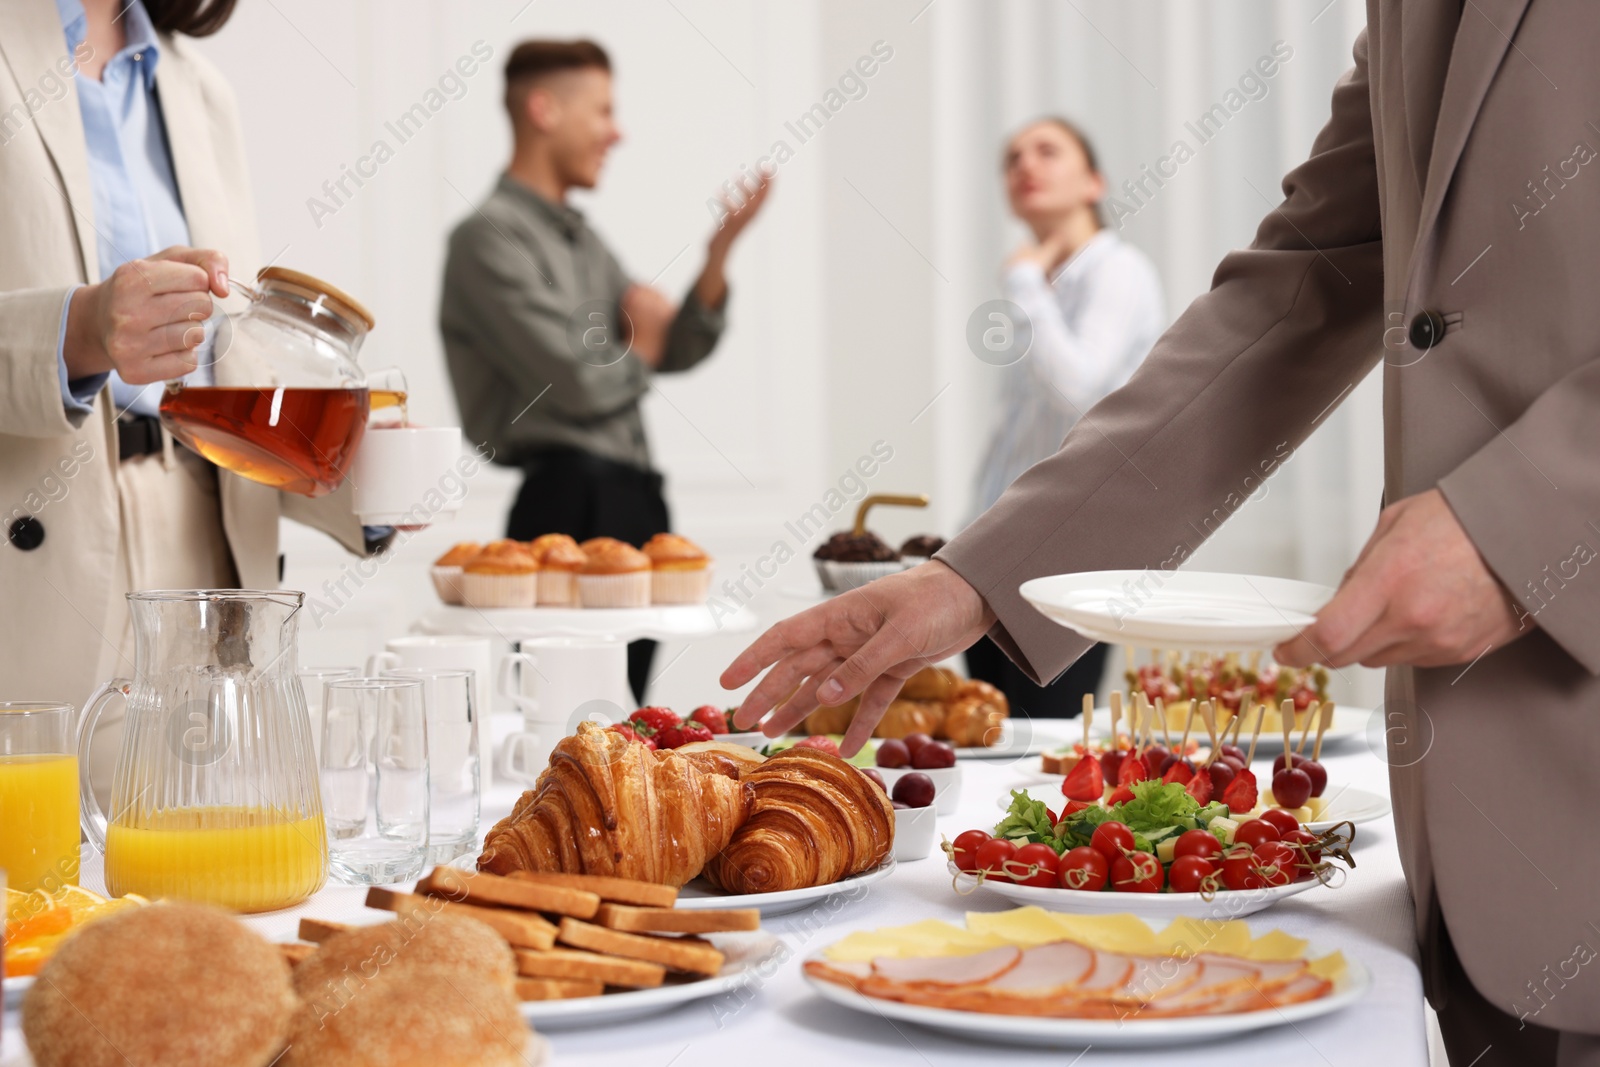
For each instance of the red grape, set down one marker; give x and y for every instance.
(914, 790)
(893, 753)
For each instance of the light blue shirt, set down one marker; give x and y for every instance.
(137, 210)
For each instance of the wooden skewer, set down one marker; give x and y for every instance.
(1088, 717)
(1208, 717)
(1239, 718)
(1116, 713)
(1324, 720)
(1166, 735)
(1305, 731)
(1255, 662)
(1255, 735)
(1288, 730)
(1188, 724)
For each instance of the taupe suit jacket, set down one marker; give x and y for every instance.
(63, 610)
(1442, 148)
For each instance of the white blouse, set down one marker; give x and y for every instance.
(1092, 326)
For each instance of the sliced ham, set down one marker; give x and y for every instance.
(1046, 969)
(948, 970)
(1305, 987)
(1111, 973)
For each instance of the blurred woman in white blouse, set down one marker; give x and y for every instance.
(1094, 308)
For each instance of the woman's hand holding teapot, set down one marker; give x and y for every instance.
(146, 320)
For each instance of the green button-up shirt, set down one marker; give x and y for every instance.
(529, 313)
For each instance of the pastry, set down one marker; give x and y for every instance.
(596, 544)
(847, 560)
(920, 549)
(834, 720)
(560, 560)
(614, 576)
(680, 571)
(606, 805)
(503, 574)
(440, 993)
(447, 571)
(182, 985)
(720, 757)
(931, 683)
(904, 717)
(815, 819)
(976, 716)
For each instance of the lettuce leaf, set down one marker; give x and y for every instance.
(1026, 820)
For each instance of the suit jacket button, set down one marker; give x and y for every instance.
(27, 533)
(1427, 329)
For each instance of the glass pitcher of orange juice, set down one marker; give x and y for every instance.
(215, 796)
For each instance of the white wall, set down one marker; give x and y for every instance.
(851, 293)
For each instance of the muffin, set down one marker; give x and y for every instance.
(560, 560)
(615, 576)
(847, 560)
(680, 571)
(447, 571)
(182, 985)
(503, 574)
(596, 544)
(426, 989)
(920, 549)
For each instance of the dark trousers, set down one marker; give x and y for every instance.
(572, 492)
(1061, 699)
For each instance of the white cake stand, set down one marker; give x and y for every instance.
(667, 623)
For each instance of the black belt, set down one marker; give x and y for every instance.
(137, 435)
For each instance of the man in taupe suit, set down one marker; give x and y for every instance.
(1444, 222)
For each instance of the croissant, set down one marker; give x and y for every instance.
(815, 819)
(976, 715)
(831, 720)
(904, 717)
(719, 757)
(931, 683)
(608, 805)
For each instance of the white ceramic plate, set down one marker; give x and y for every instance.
(700, 894)
(746, 952)
(1226, 904)
(1103, 1033)
(1345, 804)
(1184, 610)
(15, 987)
(1025, 737)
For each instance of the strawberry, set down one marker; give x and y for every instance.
(1241, 795)
(821, 743)
(711, 717)
(682, 734)
(1085, 781)
(633, 735)
(1179, 772)
(649, 721)
(1121, 795)
(1075, 806)
(1199, 786)
(1133, 769)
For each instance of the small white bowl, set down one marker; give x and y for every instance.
(750, 739)
(946, 785)
(914, 831)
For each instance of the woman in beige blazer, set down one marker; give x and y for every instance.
(96, 505)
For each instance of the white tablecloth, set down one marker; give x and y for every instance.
(782, 1022)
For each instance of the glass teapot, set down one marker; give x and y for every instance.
(288, 404)
(215, 795)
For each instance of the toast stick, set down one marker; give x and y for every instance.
(557, 988)
(634, 920)
(319, 930)
(519, 929)
(475, 888)
(1324, 720)
(616, 890)
(666, 951)
(575, 965)
(295, 954)
(1255, 735)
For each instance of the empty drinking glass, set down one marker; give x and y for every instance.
(454, 784)
(374, 771)
(312, 679)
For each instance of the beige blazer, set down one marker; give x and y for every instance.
(62, 610)
(1458, 173)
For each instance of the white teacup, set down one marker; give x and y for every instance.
(556, 682)
(408, 475)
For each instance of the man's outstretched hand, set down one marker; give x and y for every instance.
(1419, 594)
(866, 642)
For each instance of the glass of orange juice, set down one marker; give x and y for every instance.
(38, 795)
